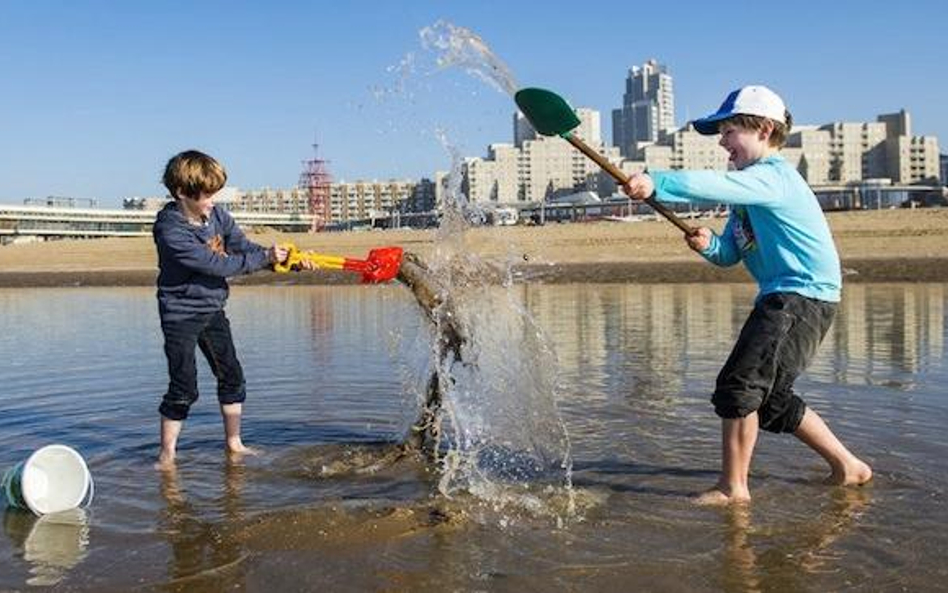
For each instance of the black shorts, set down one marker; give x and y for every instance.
(778, 341)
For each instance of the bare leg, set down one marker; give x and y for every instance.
(738, 438)
(847, 469)
(231, 414)
(170, 429)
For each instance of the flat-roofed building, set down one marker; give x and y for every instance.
(360, 200)
(536, 167)
(684, 149)
(494, 179)
(913, 159)
(808, 149)
(269, 200)
(833, 154)
(857, 151)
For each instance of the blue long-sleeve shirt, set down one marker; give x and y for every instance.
(195, 260)
(776, 226)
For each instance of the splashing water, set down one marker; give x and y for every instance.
(499, 395)
(462, 48)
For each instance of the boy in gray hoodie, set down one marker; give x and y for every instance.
(199, 246)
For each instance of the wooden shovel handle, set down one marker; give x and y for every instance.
(623, 179)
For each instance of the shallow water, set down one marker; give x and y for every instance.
(331, 504)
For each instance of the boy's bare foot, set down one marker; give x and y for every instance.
(720, 496)
(165, 462)
(237, 451)
(854, 473)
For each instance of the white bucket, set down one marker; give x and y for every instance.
(53, 479)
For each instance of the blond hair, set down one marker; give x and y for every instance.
(778, 138)
(192, 173)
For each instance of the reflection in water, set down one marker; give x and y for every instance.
(787, 555)
(843, 512)
(52, 544)
(739, 565)
(202, 551)
(323, 508)
(880, 330)
(885, 328)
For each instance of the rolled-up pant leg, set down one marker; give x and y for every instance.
(776, 344)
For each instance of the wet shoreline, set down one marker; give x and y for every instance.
(912, 269)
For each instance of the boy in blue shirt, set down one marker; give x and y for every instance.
(776, 227)
(199, 246)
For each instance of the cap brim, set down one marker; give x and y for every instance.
(709, 125)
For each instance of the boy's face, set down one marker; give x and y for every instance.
(197, 208)
(744, 146)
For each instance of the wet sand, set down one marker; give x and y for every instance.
(875, 246)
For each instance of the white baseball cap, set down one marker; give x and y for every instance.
(747, 100)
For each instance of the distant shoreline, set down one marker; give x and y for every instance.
(860, 271)
(875, 246)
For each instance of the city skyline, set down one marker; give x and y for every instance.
(97, 96)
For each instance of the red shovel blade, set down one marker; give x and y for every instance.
(381, 265)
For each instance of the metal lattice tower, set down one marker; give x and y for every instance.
(316, 180)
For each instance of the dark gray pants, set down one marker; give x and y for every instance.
(210, 333)
(777, 343)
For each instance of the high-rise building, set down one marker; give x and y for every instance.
(648, 108)
(523, 130)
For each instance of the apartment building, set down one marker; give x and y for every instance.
(837, 153)
(360, 200)
(266, 200)
(913, 159)
(535, 167)
(684, 149)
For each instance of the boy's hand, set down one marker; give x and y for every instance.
(277, 254)
(639, 186)
(700, 239)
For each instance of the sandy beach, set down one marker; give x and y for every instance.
(875, 246)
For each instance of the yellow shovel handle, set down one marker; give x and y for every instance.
(295, 257)
(332, 262)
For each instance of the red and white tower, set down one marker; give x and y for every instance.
(316, 180)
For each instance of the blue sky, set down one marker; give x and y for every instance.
(96, 95)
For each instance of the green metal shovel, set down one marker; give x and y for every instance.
(551, 115)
